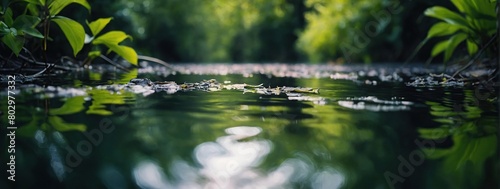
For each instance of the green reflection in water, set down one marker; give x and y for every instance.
(184, 137)
(103, 98)
(47, 118)
(472, 135)
(318, 138)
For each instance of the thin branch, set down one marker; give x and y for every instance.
(113, 62)
(31, 55)
(478, 54)
(155, 60)
(41, 72)
(3, 63)
(8, 60)
(69, 61)
(44, 64)
(420, 45)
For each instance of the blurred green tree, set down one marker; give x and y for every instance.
(215, 31)
(272, 30)
(341, 29)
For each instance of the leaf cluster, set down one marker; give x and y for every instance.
(16, 29)
(473, 24)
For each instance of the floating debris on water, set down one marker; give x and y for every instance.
(278, 90)
(435, 80)
(143, 82)
(145, 87)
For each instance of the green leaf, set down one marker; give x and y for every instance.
(94, 54)
(15, 43)
(461, 5)
(73, 31)
(471, 47)
(454, 41)
(26, 24)
(32, 8)
(98, 25)
(482, 9)
(42, 2)
(26, 21)
(440, 47)
(125, 52)
(112, 37)
(4, 29)
(442, 29)
(32, 32)
(8, 17)
(447, 16)
(58, 5)
(111, 40)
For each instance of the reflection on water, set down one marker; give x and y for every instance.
(228, 163)
(149, 175)
(231, 162)
(474, 139)
(347, 135)
(372, 103)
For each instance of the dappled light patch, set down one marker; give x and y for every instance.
(301, 97)
(375, 104)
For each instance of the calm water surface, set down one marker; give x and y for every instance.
(364, 129)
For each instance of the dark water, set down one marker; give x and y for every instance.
(364, 129)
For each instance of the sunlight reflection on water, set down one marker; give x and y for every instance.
(231, 163)
(228, 163)
(372, 103)
(148, 174)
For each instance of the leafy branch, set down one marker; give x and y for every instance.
(15, 31)
(474, 25)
